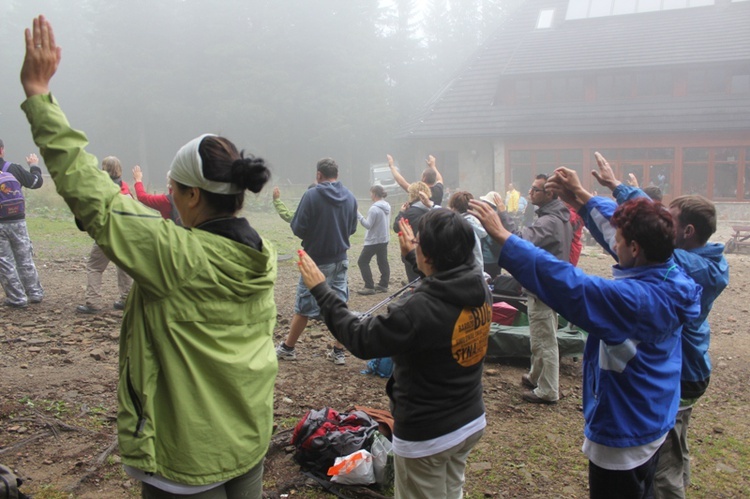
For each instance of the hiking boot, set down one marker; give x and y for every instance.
(381, 289)
(366, 291)
(283, 352)
(526, 381)
(336, 356)
(535, 399)
(119, 305)
(9, 303)
(85, 309)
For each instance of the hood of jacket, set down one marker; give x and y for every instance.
(457, 286)
(384, 206)
(556, 208)
(332, 192)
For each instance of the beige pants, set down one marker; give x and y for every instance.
(545, 355)
(440, 476)
(95, 267)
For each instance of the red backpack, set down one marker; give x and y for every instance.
(11, 194)
(323, 435)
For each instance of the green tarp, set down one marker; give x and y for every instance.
(513, 341)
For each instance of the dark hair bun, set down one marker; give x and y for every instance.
(250, 173)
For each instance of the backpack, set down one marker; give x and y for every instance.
(323, 435)
(11, 195)
(9, 484)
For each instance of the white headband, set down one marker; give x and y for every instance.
(187, 169)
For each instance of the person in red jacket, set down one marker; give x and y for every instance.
(575, 245)
(98, 261)
(161, 202)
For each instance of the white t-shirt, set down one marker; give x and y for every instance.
(409, 449)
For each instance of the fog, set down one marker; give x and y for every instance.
(288, 80)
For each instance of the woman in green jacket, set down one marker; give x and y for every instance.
(197, 363)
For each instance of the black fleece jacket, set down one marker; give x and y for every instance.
(437, 336)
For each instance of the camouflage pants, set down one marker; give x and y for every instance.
(18, 274)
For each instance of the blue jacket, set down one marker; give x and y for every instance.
(631, 365)
(324, 220)
(708, 267)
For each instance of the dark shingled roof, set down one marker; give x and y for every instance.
(466, 106)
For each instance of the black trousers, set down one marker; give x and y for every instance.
(637, 483)
(381, 252)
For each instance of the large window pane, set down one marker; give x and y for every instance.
(624, 7)
(695, 179)
(520, 157)
(661, 177)
(521, 177)
(695, 154)
(728, 154)
(635, 169)
(725, 180)
(577, 9)
(632, 154)
(660, 153)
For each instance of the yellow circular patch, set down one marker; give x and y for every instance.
(470, 334)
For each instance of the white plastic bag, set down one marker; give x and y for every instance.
(354, 469)
(381, 449)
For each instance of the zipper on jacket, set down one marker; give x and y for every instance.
(136, 403)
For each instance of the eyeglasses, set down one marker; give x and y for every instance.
(536, 189)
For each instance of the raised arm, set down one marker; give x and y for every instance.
(400, 180)
(432, 164)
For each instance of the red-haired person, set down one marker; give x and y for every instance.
(632, 359)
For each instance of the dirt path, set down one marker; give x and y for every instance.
(58, 383)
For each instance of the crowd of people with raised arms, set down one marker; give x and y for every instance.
(196, 284)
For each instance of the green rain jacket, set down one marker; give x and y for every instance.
(197, 362)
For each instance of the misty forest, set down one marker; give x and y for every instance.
(291, 81)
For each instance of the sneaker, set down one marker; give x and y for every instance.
(85, 309)
(381, 289)
(119, 305)
(366, 291)
(336, 356)
(35, 299)
(9, 303)
(283, 352)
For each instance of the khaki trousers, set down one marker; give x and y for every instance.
(95, 267)
(545, 355)
(440, 476)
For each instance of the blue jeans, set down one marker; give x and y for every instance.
(335, 274)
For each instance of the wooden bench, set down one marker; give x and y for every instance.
(740, 238)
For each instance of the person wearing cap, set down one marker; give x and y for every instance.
(197, 363)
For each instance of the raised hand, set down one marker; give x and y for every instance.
(42, 58)
(311, 274)
(137, 174)
(406, 237)
(605, 175)
(276, 193)
(566, 184)
(32, 159)
(490, 220)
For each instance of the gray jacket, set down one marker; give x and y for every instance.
(376, 223)
(551, 230)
